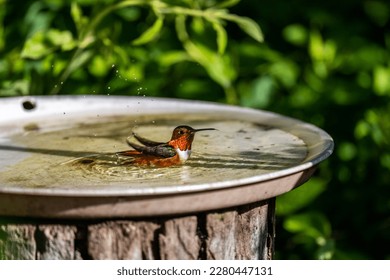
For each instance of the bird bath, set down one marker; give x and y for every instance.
(57, 157)
(65, 148)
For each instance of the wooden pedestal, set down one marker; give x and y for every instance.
(244, 232)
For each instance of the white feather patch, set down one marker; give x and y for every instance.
(183, 155)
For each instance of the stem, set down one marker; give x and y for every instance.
(96, 21)
(231, 95)
(190, 12)
(65, 74)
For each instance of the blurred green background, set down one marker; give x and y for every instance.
(324, 62)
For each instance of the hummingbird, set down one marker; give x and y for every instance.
(163, 154)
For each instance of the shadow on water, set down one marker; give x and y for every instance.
(247, 160)
(54, 152)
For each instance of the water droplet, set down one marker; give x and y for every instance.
(108, 87)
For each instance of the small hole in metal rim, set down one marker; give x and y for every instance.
(29, 105)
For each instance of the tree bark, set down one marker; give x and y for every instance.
(179, 239)
(244, 232)
(17, 242)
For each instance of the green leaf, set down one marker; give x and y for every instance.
(248, 25)
(58, 66)
(198, 25)
(62, 39)
(134, 72)
(172, 57)
(311, 224)
(362, 129)
(381, 81)
(99, 66)
(346, 151)
(35, 47)
(151, 33)
(129, 14)
(228, 3)
(300, 197)
(295, 34)
(309, 227)
(218, 67)
(316, 46)
(77, 15)
(43, 43)
(221, 36)
(259, 94)
(286, 71)
(14, 88)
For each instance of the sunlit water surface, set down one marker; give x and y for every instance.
(82, 155)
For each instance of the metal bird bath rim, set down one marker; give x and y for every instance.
(252, 156)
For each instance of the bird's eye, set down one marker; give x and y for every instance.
(180, 132)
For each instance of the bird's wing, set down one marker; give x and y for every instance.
(162, 150)
(147, 142)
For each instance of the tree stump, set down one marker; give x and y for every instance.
(243, 232)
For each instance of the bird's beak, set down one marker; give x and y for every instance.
(202, 129)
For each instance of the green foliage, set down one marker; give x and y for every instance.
(300, 198)
(313, 230)
(327, 64)
(69, 42)
(310, 229)
(335, 76)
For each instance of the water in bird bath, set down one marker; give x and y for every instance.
(81, 156)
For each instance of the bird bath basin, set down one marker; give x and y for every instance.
(57, 156)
